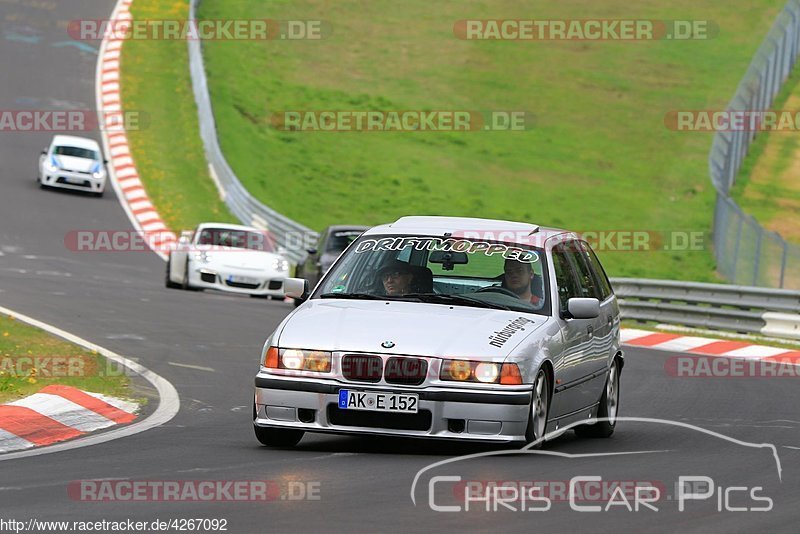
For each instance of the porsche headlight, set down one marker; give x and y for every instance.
(202, 256)
(280, 265)
(51, 165)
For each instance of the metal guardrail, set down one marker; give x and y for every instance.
(747, 253)
(746, 309)
(289, 234)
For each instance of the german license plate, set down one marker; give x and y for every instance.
(243, 280)
(376, 401)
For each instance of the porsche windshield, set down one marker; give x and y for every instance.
(224, 237)
(453, 271)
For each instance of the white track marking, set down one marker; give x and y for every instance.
(189, 366)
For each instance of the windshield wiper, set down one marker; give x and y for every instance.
(364, 296)
(435, 298)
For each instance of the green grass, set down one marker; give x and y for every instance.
(599, 156)
(167, 150)
(767, 186)
(27, 364)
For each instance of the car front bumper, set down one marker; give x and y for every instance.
(76, 181)
(264, 283)
(444, 413)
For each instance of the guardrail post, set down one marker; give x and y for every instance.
(783, 260)
(757, 256)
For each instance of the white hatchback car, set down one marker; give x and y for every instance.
(228, 257)
(73, 163)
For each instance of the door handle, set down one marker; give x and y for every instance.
(610, 320)
(590, 331)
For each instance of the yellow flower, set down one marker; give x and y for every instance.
(31, 380)
(5, 334)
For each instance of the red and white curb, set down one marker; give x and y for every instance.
(59, 413)
(168, 402)
(707, 346)
(121, 168)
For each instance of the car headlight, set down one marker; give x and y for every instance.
(98, 174)
(280, 265)
(483, 372)
(51, 165)
(202, 256)
(298, 360)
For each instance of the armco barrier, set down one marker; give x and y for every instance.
(289, 234)
(753, 310)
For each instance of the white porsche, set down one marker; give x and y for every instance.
(73, 163)
(228, 257)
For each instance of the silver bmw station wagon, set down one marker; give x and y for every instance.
(448, 328)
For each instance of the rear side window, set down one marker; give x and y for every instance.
(566, 281)
(600, 274)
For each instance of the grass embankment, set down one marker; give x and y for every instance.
(768, 187)
(31, 359)
(168, 150)
(599, 156)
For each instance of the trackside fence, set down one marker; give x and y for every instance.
(747, 253)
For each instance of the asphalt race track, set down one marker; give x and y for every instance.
(118, 300)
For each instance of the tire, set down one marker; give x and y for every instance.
(169, 283)
(185, 284)
(609, 406)
(539, 411)
(276, 437)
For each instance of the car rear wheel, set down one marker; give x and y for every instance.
(540, 408)
(607, 412)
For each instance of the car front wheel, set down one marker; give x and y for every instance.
(540, 408)
(276, 437)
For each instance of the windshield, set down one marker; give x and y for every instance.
(243, 239)
(453, 271)
(340, 239)
(75, 152)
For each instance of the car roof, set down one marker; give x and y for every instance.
(435, 225)
(77, 142)
(227, 226)
(344, 228)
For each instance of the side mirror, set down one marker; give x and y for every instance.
(105, 162)
(44, 151)
(583, 308)
(296, 288)
(184, 240)
(311, 250)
